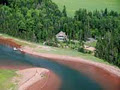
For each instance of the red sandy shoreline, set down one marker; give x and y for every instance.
(52, 83)
(108, 76)
(36, 79)
(10, 42)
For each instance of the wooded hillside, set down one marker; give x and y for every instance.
(41, 20)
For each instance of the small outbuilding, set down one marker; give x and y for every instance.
(61, 36)
(89, 40)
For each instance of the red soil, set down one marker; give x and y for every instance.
(37, 79)
(52, 83)
(10, 42)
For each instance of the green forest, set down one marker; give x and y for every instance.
(40, 21)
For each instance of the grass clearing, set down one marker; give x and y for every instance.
(5, 79)
(91, 44)
(72, 53)
(73, 5)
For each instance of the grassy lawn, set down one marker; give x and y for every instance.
(72, 53)
(73, 5)
(91, 44)
(5, 79)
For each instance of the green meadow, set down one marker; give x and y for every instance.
(91, 5)
(5, 79)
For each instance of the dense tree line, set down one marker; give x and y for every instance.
(41, 20)
(105, 27)
(108, 47)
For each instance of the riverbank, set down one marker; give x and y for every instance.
(28, 77)
(102, 73)
(9, 41)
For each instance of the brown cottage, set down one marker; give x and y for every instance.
(61, 36)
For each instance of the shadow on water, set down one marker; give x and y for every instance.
(71, 79)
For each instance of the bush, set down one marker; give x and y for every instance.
(51, 43)
(81, 50)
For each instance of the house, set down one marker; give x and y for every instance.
(61, 36)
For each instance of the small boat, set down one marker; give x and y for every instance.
(15, 49)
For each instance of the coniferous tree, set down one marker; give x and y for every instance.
(64, 11)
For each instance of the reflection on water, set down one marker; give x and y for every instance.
(71, 79)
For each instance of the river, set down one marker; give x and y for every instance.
(71, 79)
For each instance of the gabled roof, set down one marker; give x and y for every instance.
(61, 33)
(91, 39)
